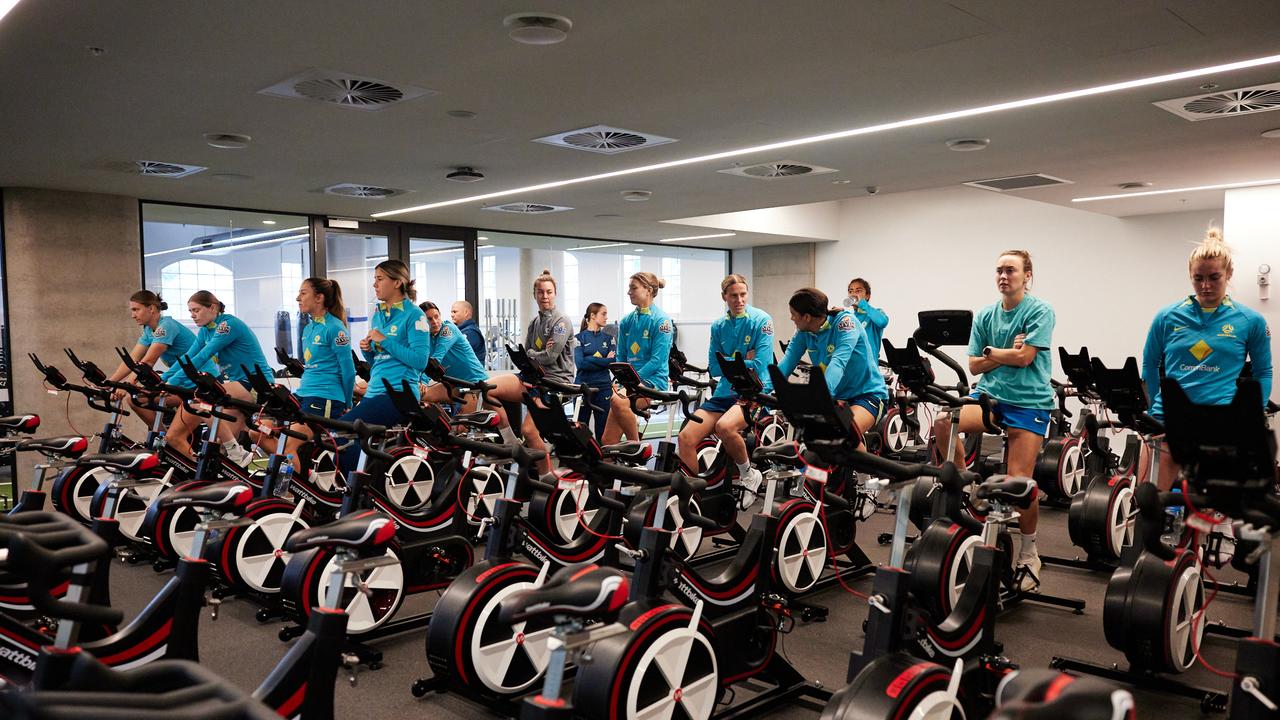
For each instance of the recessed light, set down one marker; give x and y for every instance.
(841, 182)
(537, 28)
(1273, 134)
(636, 195)
(268, 222)
(859, 131)
(638, 249)
(227, 141)
(968, 144)
(699, 237)
(1133, 185)
(481, 237)
(1223, 186)
(461, 114)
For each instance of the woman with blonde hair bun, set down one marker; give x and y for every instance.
(1203, 340)
(644, 340)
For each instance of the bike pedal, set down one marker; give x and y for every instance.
(351, 663)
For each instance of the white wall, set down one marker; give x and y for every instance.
(934, 249)
(1252, 229)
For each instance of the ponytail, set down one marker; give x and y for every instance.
(332, 293)
(207, 299)
(150, 299)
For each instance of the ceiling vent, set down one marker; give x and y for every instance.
(604, 140)
(151, 168)
(344, 90)
(779, 170)
(366, 192)
(1018, 182)
(521, 208)
(1225, 103)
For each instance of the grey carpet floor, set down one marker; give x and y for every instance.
(243, 651)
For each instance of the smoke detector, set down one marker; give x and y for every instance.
(152, 168)
(344, 90)
(537, 28)
(636, 195)
(362, 191)
(524, 208)
(465, 174)
(779, 170)
(968, 144)
(1225, 103)
(227, 141)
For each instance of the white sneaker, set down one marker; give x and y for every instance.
(1028, 570)
(239, 456)
(750, 483)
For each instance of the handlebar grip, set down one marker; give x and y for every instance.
(41, 564)
(295, 435)
(612, 503)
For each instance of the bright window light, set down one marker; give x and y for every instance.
(6, 6)
(699, 237)
(1224, 186)
(1216, 70)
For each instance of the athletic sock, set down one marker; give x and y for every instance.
(744, 469)
(508, 435)
(1028, 550)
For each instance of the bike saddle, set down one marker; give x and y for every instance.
(631, 452)
(368, 532)
(130, 463)
(20, 423)
(223, 497)
(70, 446)
(1043, 694)
(781, 453)
(1017, 491)
(477, 419)
(583, 592)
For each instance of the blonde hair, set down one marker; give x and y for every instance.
(545, 277)
(1026, 265)
(1212, 248)
(731, 280)
(649, 280)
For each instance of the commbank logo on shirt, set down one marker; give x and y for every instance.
(1200, 350)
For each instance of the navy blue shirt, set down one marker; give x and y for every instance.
(591, 355)
(471, 331)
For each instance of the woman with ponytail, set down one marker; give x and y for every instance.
(592, 355)
(1204, 339)
(835, 342)
(645, 336)
(162, 338)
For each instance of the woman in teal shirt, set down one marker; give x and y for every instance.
(644, 341)
(1010, 347)
(162, 338)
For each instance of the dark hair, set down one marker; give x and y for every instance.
(399, 272)
(146, 297)
(207, 299)
(865, 285)
(332, 293)
(428, 305)
(592, 309)
(810, 301)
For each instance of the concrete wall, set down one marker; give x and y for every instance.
(72, 261)
(777, 271)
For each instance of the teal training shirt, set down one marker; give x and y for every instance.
(874, 321)
(644, 340)
(171, 333)
(326, 353)
(843, 353)
(752, 331)
(223, 348)
(402, 354)
(1206, 351)
(450, 347)
(1027, 387)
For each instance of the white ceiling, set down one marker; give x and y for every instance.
(715, 74)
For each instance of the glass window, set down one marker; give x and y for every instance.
(252, 261)
(434, 267)
(351, 258)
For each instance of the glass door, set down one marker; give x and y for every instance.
(439, 269)
(350, 258)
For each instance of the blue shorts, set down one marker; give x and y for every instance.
(1032, 420)
(322, 406)
(719, 405)
(873, 404)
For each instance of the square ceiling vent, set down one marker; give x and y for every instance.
(604, 140)
(1019, 182)
(779, 170)
(525, 208)
(1225, 103)
(344, 90)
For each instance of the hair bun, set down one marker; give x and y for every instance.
(1214, 235)
(661, 283)
(164, 305)
(546, 271)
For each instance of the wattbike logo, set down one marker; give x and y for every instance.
(18, 657)
(534, 551)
